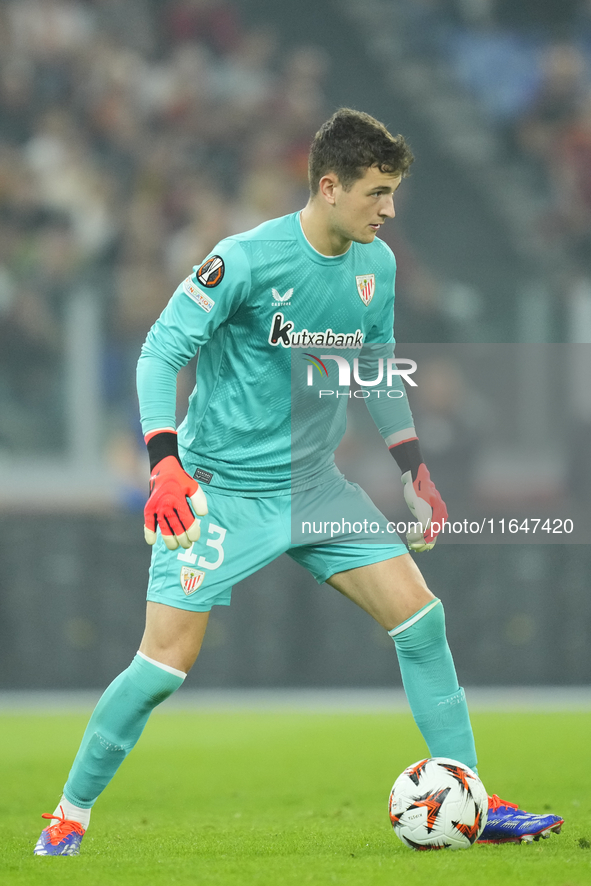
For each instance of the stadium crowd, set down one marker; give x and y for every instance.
(528, 65)
(133, 137)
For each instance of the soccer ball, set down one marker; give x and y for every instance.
(438, 803)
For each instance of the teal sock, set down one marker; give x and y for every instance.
(116, 724)
(430, 681)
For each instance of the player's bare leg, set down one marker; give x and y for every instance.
(394, 593)
(173, 636)
(390, 591)
(171, 643)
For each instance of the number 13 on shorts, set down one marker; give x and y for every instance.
(216, 542)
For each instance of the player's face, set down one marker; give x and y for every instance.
(358, 213)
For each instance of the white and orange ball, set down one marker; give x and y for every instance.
(438, 803)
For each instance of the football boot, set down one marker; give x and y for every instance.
(62, 838)
(508, 824)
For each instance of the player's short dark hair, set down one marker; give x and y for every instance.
(352, 141)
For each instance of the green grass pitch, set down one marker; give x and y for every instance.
(287, 798)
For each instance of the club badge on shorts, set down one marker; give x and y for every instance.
(366, 286)
(191, 579)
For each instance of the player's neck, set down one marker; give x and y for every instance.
(319, 234)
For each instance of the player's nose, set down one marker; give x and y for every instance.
(387, 208)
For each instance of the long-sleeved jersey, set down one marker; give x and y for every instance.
(269, 315)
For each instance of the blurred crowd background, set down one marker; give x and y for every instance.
(134, 136)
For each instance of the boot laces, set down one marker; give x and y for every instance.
(63, 828)
(495, 803)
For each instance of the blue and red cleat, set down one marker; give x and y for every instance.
(63, 838)
(509, 824)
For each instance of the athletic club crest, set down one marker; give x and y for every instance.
(191, 579)
(366, 286)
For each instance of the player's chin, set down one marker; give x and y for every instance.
(367, 235)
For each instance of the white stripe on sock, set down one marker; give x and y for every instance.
(164, 667)
(413, 619)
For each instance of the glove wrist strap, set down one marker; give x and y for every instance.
(408, 457)
(161, 445)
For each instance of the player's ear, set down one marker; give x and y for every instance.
(327, 186)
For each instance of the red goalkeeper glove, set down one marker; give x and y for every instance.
(170, 487)
(421, 496)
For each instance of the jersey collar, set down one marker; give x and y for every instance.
(313, 253)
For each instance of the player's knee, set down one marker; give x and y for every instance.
(424, 627)
(173, 637)
(154, 679)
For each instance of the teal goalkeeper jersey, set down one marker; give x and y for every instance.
(263, 310)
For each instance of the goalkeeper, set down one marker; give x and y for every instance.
(256, 450)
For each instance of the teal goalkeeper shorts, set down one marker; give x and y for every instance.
(327, 529)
